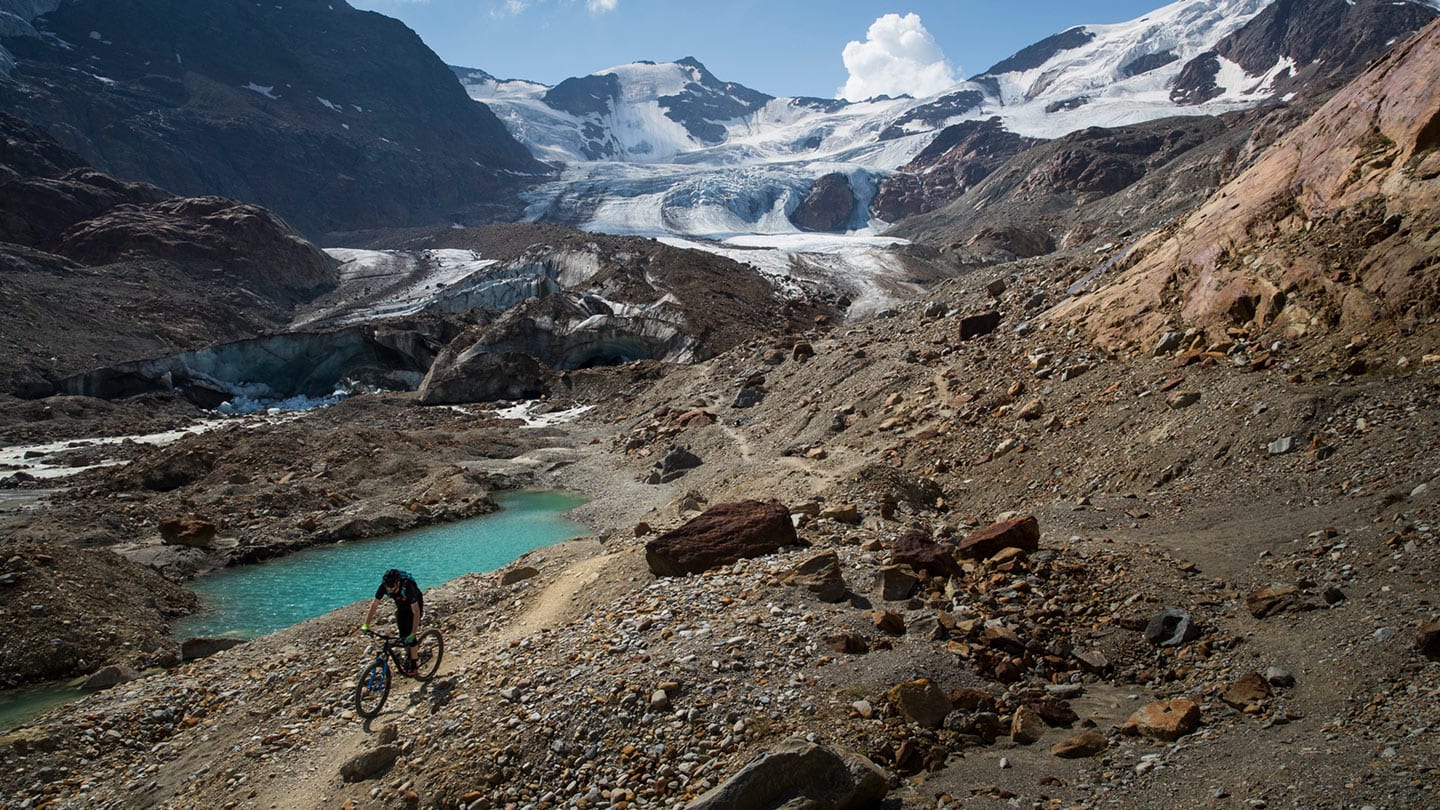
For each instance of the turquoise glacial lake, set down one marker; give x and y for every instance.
(252, 600)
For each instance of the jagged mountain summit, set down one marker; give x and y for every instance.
(337, 119)
(667, 148)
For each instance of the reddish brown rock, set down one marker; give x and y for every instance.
(848, 643)
(1086, 744)
(194, 532)
(1427, 640)
(1003, 638)
(888, 621)
(1021, 532)
(973, 326)
(897, 582)
(972, 699)
(721, 535)
(821, 576)
(1251, 689)
(1274, 600)
(920, 701)
(1026, 726)
(916, 549)
(1167, 720)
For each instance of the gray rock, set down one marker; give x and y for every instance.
(1278, 676)
(371, 763)
(192, 648)
(1168, 342)
(106, 677)
(748, 397)
(1171, 628)
(798, 773)
(678, 459)
(466, 371)
(1281, 446)
(897, 582)
(520, 574)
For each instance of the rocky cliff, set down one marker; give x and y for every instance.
(1333, 230)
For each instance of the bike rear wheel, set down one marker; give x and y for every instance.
(429, 649)
(373, 688)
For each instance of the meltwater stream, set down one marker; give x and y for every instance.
(253, 600)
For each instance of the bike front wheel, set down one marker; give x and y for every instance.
(429, 649)
(373, 688)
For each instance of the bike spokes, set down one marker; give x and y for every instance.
(372, 689)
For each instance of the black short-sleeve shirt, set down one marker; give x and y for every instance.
(408, 594)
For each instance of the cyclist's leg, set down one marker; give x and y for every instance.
(405, 621)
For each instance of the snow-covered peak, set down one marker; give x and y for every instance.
(651, 81)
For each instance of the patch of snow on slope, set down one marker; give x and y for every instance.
(388, 283)
(858, 265)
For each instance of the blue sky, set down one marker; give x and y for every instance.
(781, 47)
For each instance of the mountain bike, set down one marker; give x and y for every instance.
(374, 684)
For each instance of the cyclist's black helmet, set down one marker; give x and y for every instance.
(391, 577)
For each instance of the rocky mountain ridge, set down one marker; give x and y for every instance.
(308, 108)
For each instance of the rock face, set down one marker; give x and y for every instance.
(1327, 42)
(1036, 197)
(721, 535)
(960, 157)
(1329, 231)
(114, 270)
(798, 773)
(246, 240)
(264, 104)
(828, 206)
(473, 374)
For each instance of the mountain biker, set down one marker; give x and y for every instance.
(409, 605)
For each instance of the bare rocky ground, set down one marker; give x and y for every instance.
(1158, 482)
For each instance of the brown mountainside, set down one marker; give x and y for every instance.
(1334, 229)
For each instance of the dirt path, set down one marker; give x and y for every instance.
(553, 605)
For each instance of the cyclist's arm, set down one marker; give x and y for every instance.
(415, 610)
(370, 615)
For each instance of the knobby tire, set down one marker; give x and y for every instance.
(372, 689)
(429, 649)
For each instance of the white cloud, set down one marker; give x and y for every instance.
(898, 56)
(601, 6)
(509, 8)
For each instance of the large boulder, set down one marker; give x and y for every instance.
(721, 535)
(798, 773)
(466, 371)
(1021, 532)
